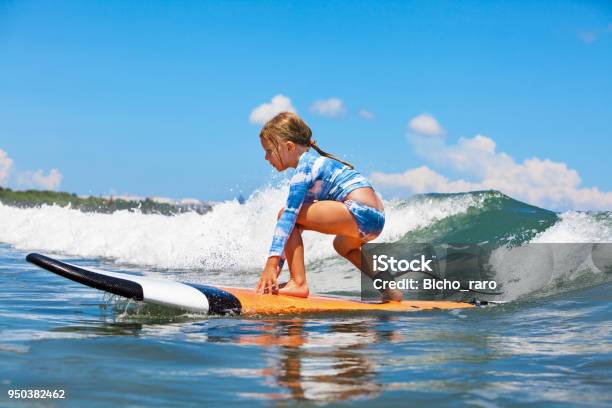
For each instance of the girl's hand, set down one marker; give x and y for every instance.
(267, 283)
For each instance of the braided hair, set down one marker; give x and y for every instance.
(287, 126)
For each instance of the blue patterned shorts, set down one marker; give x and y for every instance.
(370, 221)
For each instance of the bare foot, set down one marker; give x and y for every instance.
(290, 288)
(393, 295)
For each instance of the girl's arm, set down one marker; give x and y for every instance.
(297, 192)
(298, 188)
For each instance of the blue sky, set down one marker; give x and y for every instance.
(154, 98)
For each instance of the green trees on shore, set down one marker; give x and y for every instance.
(35, 198)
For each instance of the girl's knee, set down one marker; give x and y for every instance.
(337, 245)
(344, 245)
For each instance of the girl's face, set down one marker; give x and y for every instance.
(277, 155)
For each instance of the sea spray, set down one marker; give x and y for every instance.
(231, 237)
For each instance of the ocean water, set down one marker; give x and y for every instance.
(550, 344)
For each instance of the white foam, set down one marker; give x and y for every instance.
(577, 227)
(232, 237)
(533, 268)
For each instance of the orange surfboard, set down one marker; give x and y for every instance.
(253, 303)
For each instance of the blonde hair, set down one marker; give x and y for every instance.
(287, 126)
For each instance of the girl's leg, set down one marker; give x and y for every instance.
(328, 217)
(294, 253)
(350, 248)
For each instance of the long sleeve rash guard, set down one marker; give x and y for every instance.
(316, 178)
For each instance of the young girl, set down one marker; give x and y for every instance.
(326, 195)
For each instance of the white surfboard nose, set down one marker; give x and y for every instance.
(158, 291)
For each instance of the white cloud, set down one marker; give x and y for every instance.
(366, 114)
(422, 180)
(470, 155)
(266, 111)
(331, 107)
(37, 178)
(6, 164)
(425, 124)
(537, 181)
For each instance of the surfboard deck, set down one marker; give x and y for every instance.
(221, 300)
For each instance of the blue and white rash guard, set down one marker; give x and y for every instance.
(316, 178)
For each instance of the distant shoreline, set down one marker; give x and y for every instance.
(149, 205)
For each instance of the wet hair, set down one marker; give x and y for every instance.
(287, 126)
